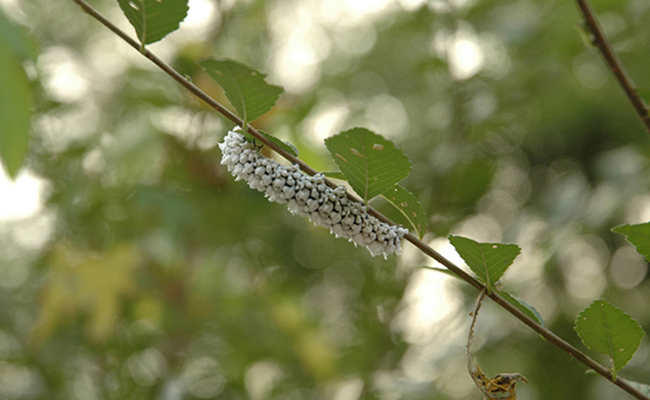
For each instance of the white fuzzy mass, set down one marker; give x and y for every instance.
(309, 196)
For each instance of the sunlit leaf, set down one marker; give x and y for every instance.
(244, 87)
(15, 110)
(638, 235)
(489, 261)
(409, 206)
(609, 330)
(523, 307)
(154, 19)
(371, 164)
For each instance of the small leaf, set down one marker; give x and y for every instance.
(644, 93)
(641, 387)
(15, 111)
(244, 87)
(523, 307)
(441, 270)
(609, 330)
(335, 175)
(488, 260)
(286, 146)
(154, 19)
(409, 206)
(370, 163)
(638, 235)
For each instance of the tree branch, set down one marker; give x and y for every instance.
(599, 39)
(544, 332)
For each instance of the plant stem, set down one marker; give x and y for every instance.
(599, 39)
(544, 332)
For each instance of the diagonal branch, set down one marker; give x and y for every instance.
(599, 39)
(543, 331)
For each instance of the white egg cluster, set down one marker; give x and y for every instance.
(309, 196)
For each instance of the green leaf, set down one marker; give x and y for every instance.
(370, 163)
(244, 87)
(644, 93)
(523, 307)
(286, 146)
(21, 43)
(15, 111)
(488, 260)
(441, 270)
(154, 19)
(638, 235)
(641, 387)
(335, 175)
(409, 206)
(609, 330)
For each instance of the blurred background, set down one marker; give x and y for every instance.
(132, 266)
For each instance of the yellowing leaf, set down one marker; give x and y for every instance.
(501, 387)
(86, 284)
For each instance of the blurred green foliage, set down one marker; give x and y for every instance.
(150, 274)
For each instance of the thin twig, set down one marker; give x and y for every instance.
(470, 334)
(599, 39)
(544, 332)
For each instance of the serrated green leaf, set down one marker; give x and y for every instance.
(638, 235)
(15, 111)
(489, 261)
(286, 146)
(244, 87)
(409, 206)
(370, 163)
(154, 19)
(609, 330)
(523, 307)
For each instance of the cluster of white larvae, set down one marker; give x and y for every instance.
(309, 196)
